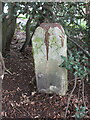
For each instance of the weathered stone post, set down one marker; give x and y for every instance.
(49, 43)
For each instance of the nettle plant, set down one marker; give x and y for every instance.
(77, 63)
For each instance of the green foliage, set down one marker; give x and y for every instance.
(80, 112)
(76, 62)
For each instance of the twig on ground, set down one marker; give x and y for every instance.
(26, 111)
(14, 107)
(79, 92)
(83, 92)
(70, 96)
(77, 78)
(8, 71)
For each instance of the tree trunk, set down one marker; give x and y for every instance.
(28, 40)
(27, 35)
(4, 31)
(41, 19)
(8, 28)
(1, 28)
(11, 28)
(10, 33)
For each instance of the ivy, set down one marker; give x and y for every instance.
(76, 62)
(80, 112)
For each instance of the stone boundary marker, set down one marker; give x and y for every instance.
(49, 44)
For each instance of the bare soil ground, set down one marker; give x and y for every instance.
(20, 98)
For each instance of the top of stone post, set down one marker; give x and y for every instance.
(46, 26)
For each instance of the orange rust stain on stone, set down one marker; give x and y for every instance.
(46, 26)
